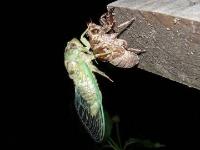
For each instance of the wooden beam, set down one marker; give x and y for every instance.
(169, 31)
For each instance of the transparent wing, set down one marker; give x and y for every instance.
(95, 125)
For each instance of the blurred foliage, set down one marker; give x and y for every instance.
(131, 143)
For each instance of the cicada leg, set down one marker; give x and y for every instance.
(108, 51)
(95, 69)
(85, 41)
(123, 26)
(136, 51)
(103, 54)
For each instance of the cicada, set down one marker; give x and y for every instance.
(88, 97)
(103, 40)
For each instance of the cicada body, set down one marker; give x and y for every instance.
(88, 97)
(104, 41)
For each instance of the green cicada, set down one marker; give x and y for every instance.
(88, 97)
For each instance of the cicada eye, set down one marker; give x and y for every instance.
(95, 31)
(72, 45)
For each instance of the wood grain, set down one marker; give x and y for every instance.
(170, 33)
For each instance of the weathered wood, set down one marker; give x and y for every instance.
(169, 31)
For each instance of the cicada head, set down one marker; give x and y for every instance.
(74, 44)
(72, 50)
(94, 30)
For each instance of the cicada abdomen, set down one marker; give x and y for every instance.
(88, 97)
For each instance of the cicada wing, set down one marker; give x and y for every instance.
(95, 125)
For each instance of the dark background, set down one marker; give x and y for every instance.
(150, 107)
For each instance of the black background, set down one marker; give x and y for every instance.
(42, 110)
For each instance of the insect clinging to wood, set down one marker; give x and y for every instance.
(103, 40)
(88, 97)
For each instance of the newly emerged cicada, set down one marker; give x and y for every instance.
(103, 40)
(88, 97)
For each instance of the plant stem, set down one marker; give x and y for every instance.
(118, 136)
(113, 144)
